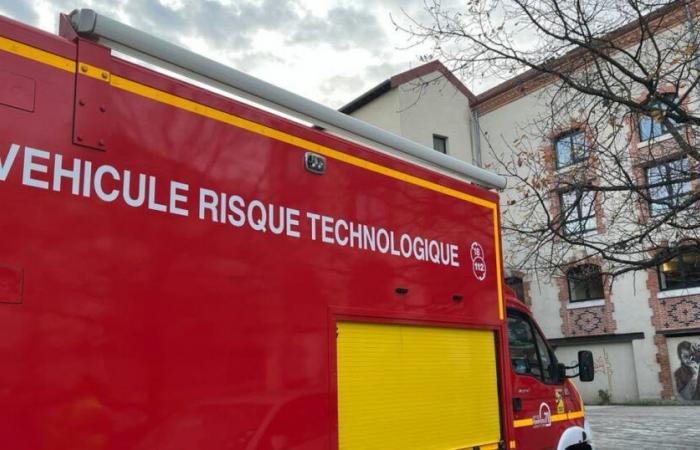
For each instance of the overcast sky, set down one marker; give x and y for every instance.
(328, 50)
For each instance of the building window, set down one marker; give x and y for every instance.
(585, 283)
(571, 148)
(667, 188)
(440, 143)
(681, 272)
(651, 126)
(577, 211)
(516, 283)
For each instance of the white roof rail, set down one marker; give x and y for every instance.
(88, 23)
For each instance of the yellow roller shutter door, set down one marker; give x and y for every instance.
(411, 387)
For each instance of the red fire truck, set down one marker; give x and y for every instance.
(180, 270)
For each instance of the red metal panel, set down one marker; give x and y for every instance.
(36, 38)
(10, 285)
(145, 329)
(93, 94)
(16, 91)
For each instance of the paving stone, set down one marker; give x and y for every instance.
(645, 427)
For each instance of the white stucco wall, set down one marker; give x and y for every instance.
(545, 306)
(499, 129)
(613, 377)
(633, 371)
(382, 112)
(633, 315)
(417, 110)
(436, 108)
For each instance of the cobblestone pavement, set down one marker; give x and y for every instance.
(645, 427)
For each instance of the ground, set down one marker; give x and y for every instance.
(645, 427)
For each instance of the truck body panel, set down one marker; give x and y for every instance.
(173, 276)
(416, 387)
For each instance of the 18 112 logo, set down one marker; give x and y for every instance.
(478, 263)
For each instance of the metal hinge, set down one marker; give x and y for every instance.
(92, 122)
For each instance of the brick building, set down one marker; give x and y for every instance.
(643, 329)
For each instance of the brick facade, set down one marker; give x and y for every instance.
(531, 81)
(672, 313)
(665, 366)
(585, 321)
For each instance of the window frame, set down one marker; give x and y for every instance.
(683, 270)
(574, 157)
(588, 290)
(520, 282)
(565, 216)
(663, 203)
(440, 138)
(653, 123)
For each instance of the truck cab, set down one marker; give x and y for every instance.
(547, 408)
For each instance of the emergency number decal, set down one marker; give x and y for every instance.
(478, 264)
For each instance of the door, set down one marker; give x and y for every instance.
(538, 395)
(615, 372)
(416, 387)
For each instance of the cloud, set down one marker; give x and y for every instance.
(341, 83)
(232, 28)
(247, 60)
(385, 70)
(338, 89)
(20, 10)
(225, 27)
(324, 49)
(342, 28)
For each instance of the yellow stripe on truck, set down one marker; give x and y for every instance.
(519, 423)
(414, 388)
(522, 423)
(35, 54)
(493, 446)
(575, 415)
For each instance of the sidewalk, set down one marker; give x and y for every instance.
(645, 427)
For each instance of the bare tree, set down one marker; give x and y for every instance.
(607, 169)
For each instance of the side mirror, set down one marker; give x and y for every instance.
(586, 370)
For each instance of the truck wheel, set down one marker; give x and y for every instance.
(581, 446)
